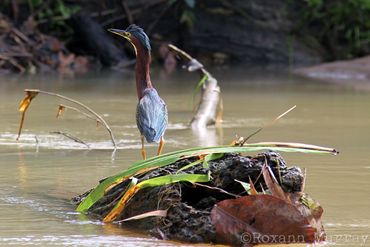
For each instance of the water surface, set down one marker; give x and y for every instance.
(42, 171)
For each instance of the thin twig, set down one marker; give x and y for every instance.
(69, 136)
(127, 11)
(119, 18)
(267, 125)
(79, 111)
(54, 18)
(133, 12)
(37, 144)
(218, 189)
(105, 12)
(5, 55)
(42, 7)
(21, 35)
(14, 63)
(156, 20)
(15, 9)
(81, 105)
(304, 179)
(184, 55)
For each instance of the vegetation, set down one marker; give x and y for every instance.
(205, 154)
(51, 16)
(332, 29)
(341, 27)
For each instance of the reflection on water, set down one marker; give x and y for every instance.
(211, 136)
(39, 177)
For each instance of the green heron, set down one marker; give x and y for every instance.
(151, 112)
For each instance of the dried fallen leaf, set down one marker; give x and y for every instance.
(23, 106)
(61, 110)
(272, 184)
(253, 189)
(155, 213)
(258, 219)
(25, 103)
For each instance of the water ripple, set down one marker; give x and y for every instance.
(59, 142)
(81, 240)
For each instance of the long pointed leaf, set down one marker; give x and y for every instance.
(210, 157)
(272, 185)
(156, 213)
(153, 182)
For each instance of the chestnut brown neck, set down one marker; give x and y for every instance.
(142, 70)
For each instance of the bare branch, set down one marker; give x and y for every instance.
(69, 136)
(244, 140)
(88, 109)
(184, 55)
(79, 111)
(208, 110)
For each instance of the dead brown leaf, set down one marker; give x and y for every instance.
(25, 103)
(23, 106)
(256, 219)
(272, 184)
(61, 110)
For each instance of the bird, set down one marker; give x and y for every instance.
(151, 110)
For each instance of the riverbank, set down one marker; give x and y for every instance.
(67, 36)
(349, 73)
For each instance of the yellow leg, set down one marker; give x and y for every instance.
(143, 152)
(160, 147)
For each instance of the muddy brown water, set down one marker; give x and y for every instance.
(37, 180)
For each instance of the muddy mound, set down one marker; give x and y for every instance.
(189, 205)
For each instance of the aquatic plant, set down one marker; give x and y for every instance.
(205, 154)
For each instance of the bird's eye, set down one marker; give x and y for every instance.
(127, 34)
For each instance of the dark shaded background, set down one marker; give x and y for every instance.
(261, 33)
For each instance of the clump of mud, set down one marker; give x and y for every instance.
(189, 205)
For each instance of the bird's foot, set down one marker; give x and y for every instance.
(143, 153)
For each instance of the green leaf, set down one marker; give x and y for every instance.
(315, 3)
(245, 185)
(173, 178)
(62, 9)
(199, 85)
(169, 158)
(188, 18)
(210, 157)
(190, 165)
(153, 182)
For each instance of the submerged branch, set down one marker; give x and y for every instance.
(208, 110)
(69, 136)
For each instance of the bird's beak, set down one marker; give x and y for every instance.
(121, 33)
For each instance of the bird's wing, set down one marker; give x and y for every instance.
(151, 116)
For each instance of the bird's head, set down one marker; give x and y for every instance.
(135, 35)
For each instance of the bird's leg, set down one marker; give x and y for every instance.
(160, 147)
(143, 152)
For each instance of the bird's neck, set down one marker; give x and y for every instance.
(142, 70)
